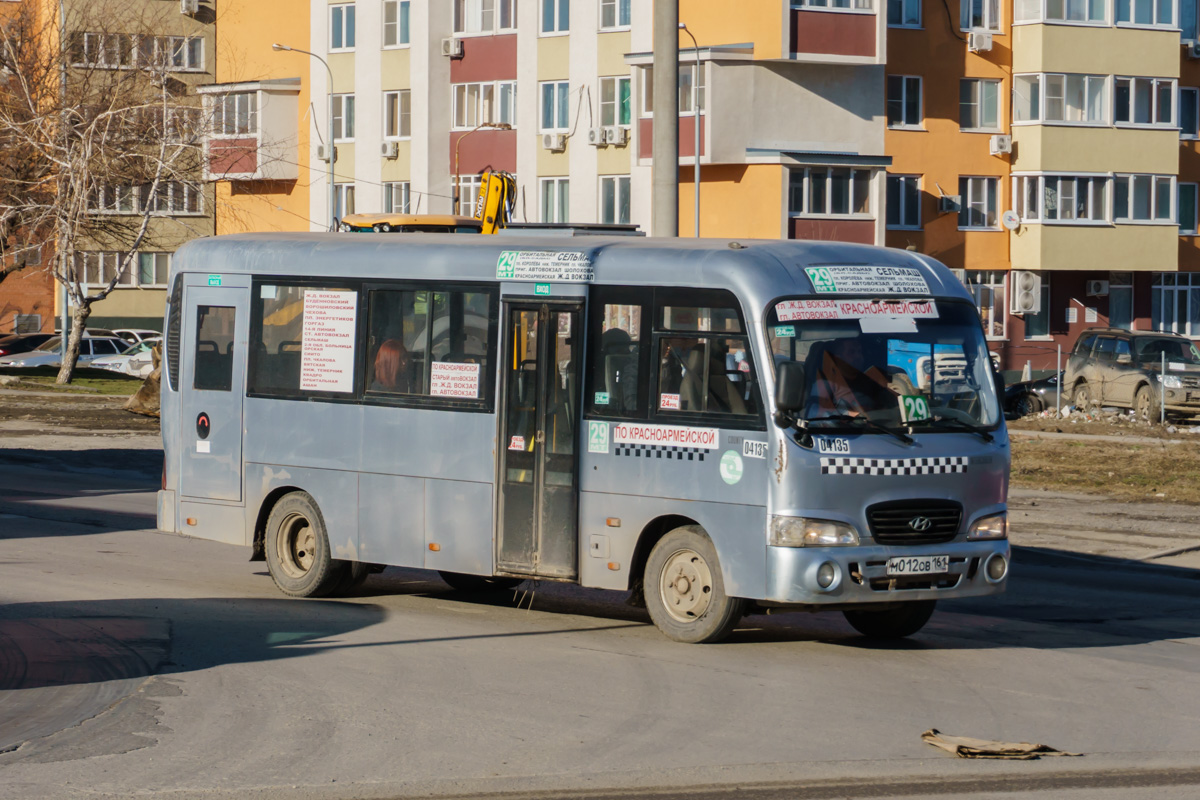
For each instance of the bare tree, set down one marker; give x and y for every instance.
(97, 138)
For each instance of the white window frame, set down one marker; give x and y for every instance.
(1041, 13)
(836, 6)
(1193, 230)
(469, 17)
(557, 192)
(993, 15)
(468, 193)
(1107, 99)
(906, 82)
(561, 118)
(104, 265)
(1098, 196)
(993, 285)
(341, 9)
(165, 256)
(343, 110)
(488, 101)
(902, 180)
(1171, 283)
(403, 14)
(1156, 23)
(1195, 127)
(173, 199)
(558, 6)
(397, 190)
(221, 106)
(968, 201)
(403, 119)
(617, 6)
(825, 173)
(697, 95)
(904, 9)
(1155, 182)
(977, 94)
(343, 194)
(615, 104)
(622, 187)
(1155, 84)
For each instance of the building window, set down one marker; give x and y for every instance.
(860, 5)
(556, 16)
(556, 106)
(979, 104)
(1061, 198)
(476, 104)
(396, 198)
(397, 114)
(829, 191)
(903, 101)
(343, 117)
(1144, 101)
(100, 269)
(614, 14)
(983, 14)
(987, 287)
(395, 22)
(614, 199)
(1037, 325)
(172, 198)
(1057, 97)
(235, 114)
(555, 204)
(979, 202)
(1143, 198)
(1175, 303)
(468, 194)
(691, 90)
(124, 50)
(1187, 208)
(341, 27)
(1094, 11)
(1160, 13)
(904, 13)
(484, 16)
(1189, 113)
(153, 269)
(1188, 20)
(343, 199)
(1120, 300)
(614, 101)
(904, 202)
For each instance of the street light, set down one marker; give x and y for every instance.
(500, 126)
(695, 119)
(328, 127)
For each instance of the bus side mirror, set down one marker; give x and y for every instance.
(789, 392)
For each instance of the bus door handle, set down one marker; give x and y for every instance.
(540, 437)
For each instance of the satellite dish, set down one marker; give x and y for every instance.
(1010, 220)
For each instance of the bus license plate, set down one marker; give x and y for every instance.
(918, 565)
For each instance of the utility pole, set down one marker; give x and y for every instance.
(664, 220)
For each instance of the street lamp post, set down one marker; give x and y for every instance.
(500, 126)
(328, 127)
(696, 120)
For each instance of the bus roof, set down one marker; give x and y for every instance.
(759, 270)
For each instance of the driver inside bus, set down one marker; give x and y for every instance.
(392, 368)
(847, 382)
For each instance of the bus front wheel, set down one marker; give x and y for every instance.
(297, 549)
(894, 623)
(684, 591)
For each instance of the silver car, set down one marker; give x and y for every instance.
(50, 353)
(1133, 369)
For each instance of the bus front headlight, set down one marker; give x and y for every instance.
(993, 527)
(806, 532)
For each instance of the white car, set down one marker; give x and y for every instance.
(136, 360)
(48, 355)
(135, 335)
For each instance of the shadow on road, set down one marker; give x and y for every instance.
(123, 462)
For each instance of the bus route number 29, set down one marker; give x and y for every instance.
(914, 407)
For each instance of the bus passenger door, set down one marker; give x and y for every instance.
(213, 366)
(539, 429)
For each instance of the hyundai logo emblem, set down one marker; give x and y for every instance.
(920, 523)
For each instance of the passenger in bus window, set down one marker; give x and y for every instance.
(393, 372)
(620, 369)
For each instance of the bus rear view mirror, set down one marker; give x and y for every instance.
(789, 392)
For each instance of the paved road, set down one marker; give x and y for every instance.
(137, 661)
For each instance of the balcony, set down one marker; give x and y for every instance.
(1087, 149)
(255, 130)
(836, 36)
(1086, 247)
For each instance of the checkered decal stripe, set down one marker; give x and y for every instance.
(660, 451)
(893, 466)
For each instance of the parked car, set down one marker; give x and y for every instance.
(47, 355)
(22, 342)
(1030, 397)
(135, 360)
(1113, 367)
(135, 335)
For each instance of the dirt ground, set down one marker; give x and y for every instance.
(24, 413)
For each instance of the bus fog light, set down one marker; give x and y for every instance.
(993, 527)
(997, 568)
(827, 575)
(805, 532)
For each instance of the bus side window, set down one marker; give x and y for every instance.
(213, 361)
(618, 351)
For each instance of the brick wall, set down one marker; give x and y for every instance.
(29, 291)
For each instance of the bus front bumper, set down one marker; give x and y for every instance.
(860, 574)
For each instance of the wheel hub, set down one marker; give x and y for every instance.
(686, 586)
(297, 546)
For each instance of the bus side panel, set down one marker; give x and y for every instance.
(335, 491)
(427, 443)
(218, 522)
(738, 532)
(391, 520)
(458, 519)
(314, 434)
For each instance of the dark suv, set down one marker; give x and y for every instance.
(1114, 367)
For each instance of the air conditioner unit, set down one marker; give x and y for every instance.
(949, 203)
(596, 137)
(323, 152)
(190, 7)
(1191, 49)
(390, 149)
(1000, 144)
(1025, 292)
(979, 41)
(554, 142)
(452, 47)
(615, 134)
(1097, 288)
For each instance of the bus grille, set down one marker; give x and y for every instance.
(914, 521)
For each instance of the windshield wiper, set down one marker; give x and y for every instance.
(867, 421)
(951, 422)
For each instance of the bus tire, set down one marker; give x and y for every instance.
(479, 583)
(297, 546)
(894, 623)
(684, 590)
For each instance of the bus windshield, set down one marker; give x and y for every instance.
(920, 371)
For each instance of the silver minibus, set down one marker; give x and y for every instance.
(720, 428)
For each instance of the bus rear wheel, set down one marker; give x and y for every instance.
(297, 549)
(684, 591)
(894, 623)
